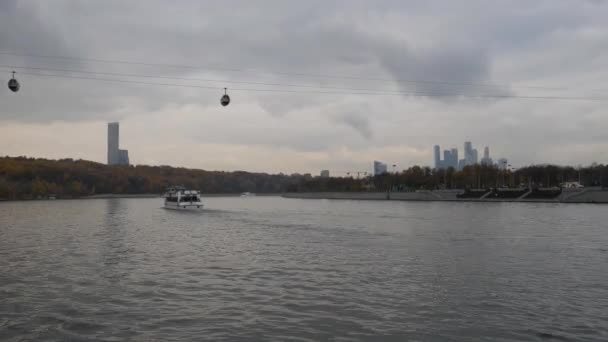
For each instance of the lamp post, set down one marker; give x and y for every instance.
(393, 177)
(512, 181)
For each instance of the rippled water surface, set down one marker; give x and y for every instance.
(268, 268)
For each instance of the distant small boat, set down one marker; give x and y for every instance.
(247, 194)
(179, 198)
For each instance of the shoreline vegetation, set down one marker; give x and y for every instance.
(23, 178)
(110, 196)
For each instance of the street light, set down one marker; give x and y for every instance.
(392, 178)
(512, 169)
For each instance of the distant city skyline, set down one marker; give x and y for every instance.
(471, 157)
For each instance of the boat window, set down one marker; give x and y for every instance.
(189, 199)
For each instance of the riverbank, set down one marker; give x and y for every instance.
(203, 195)
(120, 196)
(107, 196)
(588, 195)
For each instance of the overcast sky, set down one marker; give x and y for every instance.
(511, 48)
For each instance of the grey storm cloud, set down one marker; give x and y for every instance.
(308, 40)
(355, 116)
(318, 58)
(358, 122)
(467, 68)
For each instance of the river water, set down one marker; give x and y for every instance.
(268, 268)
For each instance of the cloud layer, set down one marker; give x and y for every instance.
(533, 48)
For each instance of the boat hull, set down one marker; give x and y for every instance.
(192, 206)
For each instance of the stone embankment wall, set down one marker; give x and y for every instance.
(586, 195)
(589, 195)
(398, 196)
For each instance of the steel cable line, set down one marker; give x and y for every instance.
(191, 67)
(366, 90)
(413, 94)
(11, 67)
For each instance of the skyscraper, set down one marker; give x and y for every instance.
(475, 159)
(380, 168)
(123, 157)
(116, 156)
(454, 162)
(113, 136)
(468, 153)
(450, 159)
(486, 160)
(437, 157)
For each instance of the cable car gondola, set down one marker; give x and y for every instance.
(225, 99)
(13, 84)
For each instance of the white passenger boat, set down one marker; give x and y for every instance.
(181, 199)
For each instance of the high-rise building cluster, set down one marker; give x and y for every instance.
(116, 156)
(450, 158)
(471, 157)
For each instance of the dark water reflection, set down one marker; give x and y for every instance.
(282, 269)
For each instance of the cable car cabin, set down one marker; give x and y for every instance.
(13, 84)
(225, 100)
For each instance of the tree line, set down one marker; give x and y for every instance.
(23, 178)
(471, 177)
